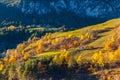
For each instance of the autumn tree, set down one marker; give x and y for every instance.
(1, 66)
(79, 59)
(56, 60)
(109, 45)
(21, 46)
(98, 58)
(117, 54)
(63, 47)
(67, 56)
(70, 36)
(111, 57)
(11, 27)
(81, 37)
(12, 59)
(47, 36)
(39, 49)
(26, 56)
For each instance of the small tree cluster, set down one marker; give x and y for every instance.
(98, 59)
(109, 45)
(63, 58)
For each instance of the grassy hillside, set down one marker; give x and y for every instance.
(108, 32)
(79, 54)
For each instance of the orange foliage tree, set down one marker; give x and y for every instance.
(26, 56)
(12, 59)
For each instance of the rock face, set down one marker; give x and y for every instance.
(58, 12)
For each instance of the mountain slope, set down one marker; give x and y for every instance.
(71, 13)
(75, 53)
(77, 6)
(98, 42)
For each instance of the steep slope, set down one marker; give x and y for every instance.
(77, 13)
(85, 51)
(99, 42)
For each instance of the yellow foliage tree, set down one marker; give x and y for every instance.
(67, 56)
(56, 59)
(98, 58)
(53, 43)
(75, 43)
(15, 53)
(11, 27)
(61, 57)
(81, 37)
(23, 52)
(117, 54)
(26, 56)
(12, 59)
(1, 66)
(47, 36)
(70, 36)
(57, 40)
(79, 59)
(39, 42)
(40, 49)
(21, 46)
(108, 46)
(113, 39)
(87, 35)
(110, 57)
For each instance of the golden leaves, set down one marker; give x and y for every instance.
(1, 66)
(62, 58)
(98, 58)
(79, 59)
(109, 44)
(26, 56)
(12, 59)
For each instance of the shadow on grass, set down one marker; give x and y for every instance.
(83, 75)
(10, 39)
